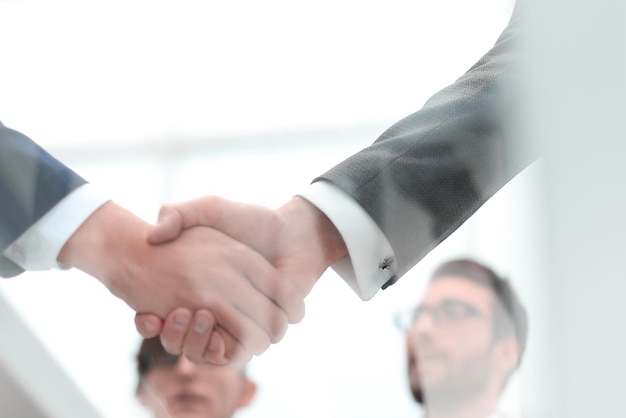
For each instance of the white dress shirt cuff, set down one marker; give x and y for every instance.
(370, 262)
(39, 246)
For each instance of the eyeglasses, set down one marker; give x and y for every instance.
(448, 312)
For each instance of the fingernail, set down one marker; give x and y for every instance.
(201, 325)
(149, 327)
(181, 322)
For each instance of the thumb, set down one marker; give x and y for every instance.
(168, 226)
(174, 218)
(252, 225)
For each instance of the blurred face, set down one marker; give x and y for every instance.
(451, 342)
(187, 390)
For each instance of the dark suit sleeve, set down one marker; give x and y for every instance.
(431, 171)
(31, 183)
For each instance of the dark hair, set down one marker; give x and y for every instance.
(149, 347)
(510, 315)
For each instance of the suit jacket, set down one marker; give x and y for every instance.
(31, 183)
(431, 171)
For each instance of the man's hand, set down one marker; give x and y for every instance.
(205, 343)
(202, 269)
(298, 239)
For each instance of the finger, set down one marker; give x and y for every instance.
(253, 225)
(246, 331)
(148, 325)
(224, 349)
(235, 352)
(215, 352)
(252, 299)
(256, 227)
(247, 314)
(281, 291)
(229, 296)
(197, 338)
(174, 330)
(168, 227)
(176, 217)
(269, 310)
(250, 224)
(259, 228)
(207, 342)
(278, 303)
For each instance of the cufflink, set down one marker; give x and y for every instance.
(385, 265)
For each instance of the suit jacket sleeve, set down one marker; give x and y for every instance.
(31, 183)
(431, 171)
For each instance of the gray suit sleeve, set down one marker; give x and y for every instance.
(431, 171)
(31, 183)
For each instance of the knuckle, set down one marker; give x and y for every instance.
(166, 207)
(260, 345)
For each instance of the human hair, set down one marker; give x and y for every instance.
(510, 317)
(149, 347)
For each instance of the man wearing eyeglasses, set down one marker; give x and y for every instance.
(170, 386)
(464, 341)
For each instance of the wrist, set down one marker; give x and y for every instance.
(105, 247)
(318, 232)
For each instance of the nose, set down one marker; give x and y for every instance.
(184, 366)
(423, 324)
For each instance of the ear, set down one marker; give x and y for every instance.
(248, 392)
(507, 355)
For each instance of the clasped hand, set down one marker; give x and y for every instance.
(253, 275)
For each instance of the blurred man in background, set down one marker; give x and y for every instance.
(172, 387)
(464, 341)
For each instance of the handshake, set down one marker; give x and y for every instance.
(218, 280)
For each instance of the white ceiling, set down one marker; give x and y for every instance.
(84, 71)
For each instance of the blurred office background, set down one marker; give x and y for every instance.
(161, 101)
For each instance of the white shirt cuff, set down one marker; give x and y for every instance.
(371, 261)
(39, 246)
